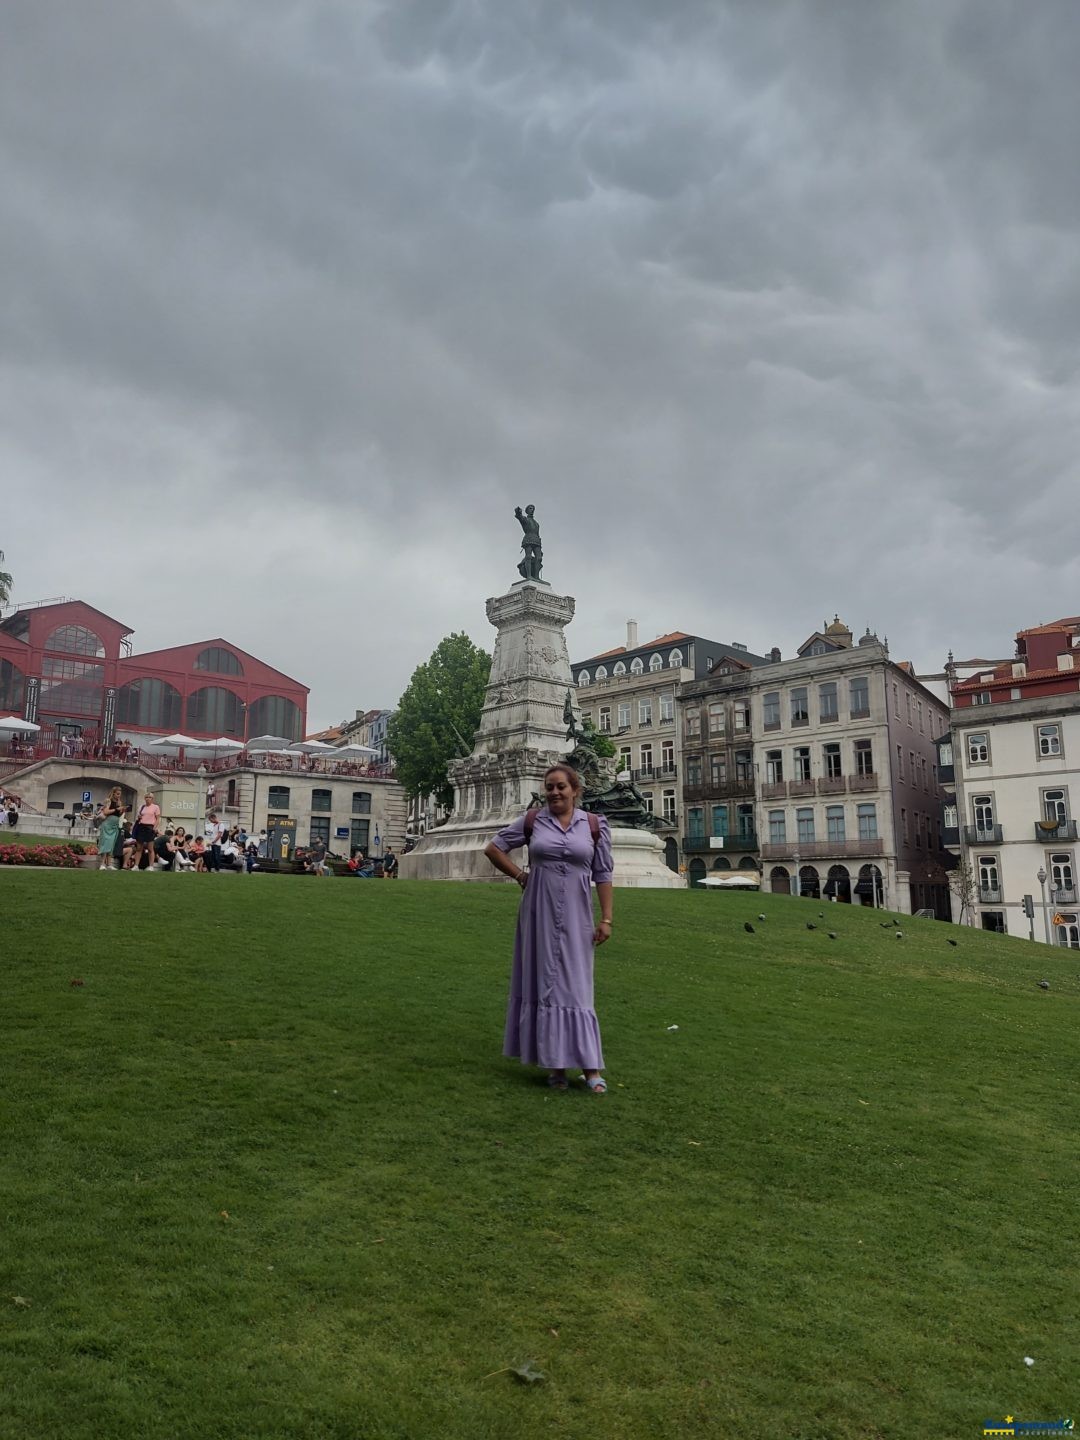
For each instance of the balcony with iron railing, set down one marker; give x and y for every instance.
(832, 785)
(798, 788)
(1055, 830)
(822, 849)
(774, 790)
(656, 774)
(700, 844)
(982, 834)
(863, 782)
(989, 895)
(1063, 895)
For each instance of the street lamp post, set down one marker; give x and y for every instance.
(201, 801)
(1041, 877)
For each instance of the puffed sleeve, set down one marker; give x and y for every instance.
(510, 837)
(602, 867)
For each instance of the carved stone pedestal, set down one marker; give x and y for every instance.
(521, 733)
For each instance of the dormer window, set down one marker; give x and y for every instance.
(583, 677)
(656, 662)
(620, 668)
(637, 666)
(675, 659)
(601, 672)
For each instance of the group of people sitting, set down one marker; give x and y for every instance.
(141, 844)
(10, 805)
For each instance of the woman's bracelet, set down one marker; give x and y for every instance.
(607, 923)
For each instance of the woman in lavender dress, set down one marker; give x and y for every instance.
(550, 1019)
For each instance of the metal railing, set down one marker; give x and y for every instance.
(822, 849)
(1055, 830)
(123, 755)
(656, 774)
(832, 785)
(989, 896)
(982, 834)
(700, 844)
(1063, 896)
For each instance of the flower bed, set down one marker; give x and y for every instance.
(63, 856)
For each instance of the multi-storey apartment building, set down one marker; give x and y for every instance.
(839, 746)
(1015, 752)
(720, 830)
(629, 695)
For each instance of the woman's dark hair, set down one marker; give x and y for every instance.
(570, 773)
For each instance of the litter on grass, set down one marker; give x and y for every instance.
(673, 1027)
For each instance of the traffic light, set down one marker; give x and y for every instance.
(1029, 907)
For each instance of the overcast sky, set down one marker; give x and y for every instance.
(770, 308)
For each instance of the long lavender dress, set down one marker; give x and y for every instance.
(550, 1018)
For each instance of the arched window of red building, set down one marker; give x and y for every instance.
(151, 704)
(219, 661)
(274, 715)
(72, 687)
(12, 682)
(213, 711)
(75, 640)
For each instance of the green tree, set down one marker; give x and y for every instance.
(438, 716)
(599, 742)
(6, 583)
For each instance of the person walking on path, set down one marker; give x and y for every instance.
(551, 1019)
(146, 827)
(111, 815)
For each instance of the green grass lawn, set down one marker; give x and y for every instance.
(265, 1174)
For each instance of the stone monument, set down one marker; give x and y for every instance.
(521, 733)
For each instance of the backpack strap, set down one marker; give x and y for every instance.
(529, 825)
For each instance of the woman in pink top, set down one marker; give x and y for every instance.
(146, 827)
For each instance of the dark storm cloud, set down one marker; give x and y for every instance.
(769, 308)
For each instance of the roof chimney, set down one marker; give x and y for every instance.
(631, 634)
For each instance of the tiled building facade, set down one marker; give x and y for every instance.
(1014, 753)
(629, 694)
(822, 772)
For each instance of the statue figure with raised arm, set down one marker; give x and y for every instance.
(532, 561)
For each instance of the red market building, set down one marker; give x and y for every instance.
(68, 668)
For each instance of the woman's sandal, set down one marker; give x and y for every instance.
(558, 1082)
(596, 1084)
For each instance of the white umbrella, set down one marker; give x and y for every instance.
(220, 746)
(269, 742)
(171, 742)
(354, 752)
(17, 725)
(311, 747)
